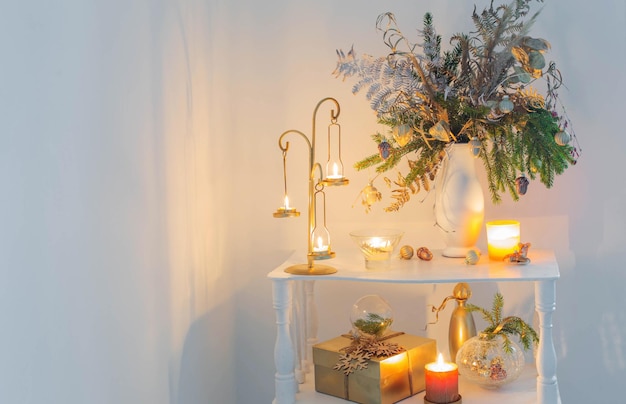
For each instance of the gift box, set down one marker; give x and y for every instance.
(384, 380)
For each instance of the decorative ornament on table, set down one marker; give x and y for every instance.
(472, 257)
(430, 99)
(492, 358)
(462, 326)
(519, 256)
(406, 252)
(424, 254)
(371, 316)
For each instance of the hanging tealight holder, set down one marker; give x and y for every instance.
(286, 210)
(334, 165)
(320, 236)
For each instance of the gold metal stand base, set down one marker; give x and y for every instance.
(304, 269)
(459, 401)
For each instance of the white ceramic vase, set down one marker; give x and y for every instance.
(459, 201)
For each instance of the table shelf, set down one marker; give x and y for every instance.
(522, 391)
(296, 320)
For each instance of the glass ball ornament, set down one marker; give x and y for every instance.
(506, 105)
(371, 315)
(484, 361)
(562, 138)
(475, 146)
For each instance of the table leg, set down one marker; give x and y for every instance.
(311, 322)
(284, 357)
(545, 304)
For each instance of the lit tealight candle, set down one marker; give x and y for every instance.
(320, 247)
(503, 236)
(336, 174)
(442, 382)
(376, 242)
(286, 208)
(378, 249)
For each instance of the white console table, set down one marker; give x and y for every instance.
(296, 319)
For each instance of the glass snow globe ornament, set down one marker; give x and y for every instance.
(484, 360)
(371, 315)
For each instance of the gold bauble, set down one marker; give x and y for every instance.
(406, 252)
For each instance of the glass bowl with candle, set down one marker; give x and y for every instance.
(377, 246)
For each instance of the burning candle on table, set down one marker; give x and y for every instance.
(442, 382)
(503, 236)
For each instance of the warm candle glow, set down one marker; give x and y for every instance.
(336, 174)
(320, 247)
(376, 242)
(377, 249)
(285, 208)
(442, 381)
(503, 236)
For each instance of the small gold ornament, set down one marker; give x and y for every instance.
(406, 252)
(441, 131)
(369, 196)
(424, 254)
(403, 134)
(472, 257)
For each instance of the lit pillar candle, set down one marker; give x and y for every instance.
(442, 382)
(503, 236)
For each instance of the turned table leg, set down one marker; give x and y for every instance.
(311, 323)
(284, 356)
(545, 304)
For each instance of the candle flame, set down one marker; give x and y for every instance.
(319, 243)
(440, 359)
(335, 170)
(286, 202)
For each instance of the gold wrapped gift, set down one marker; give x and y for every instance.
(384, 380)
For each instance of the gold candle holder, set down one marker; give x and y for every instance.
(318, 236)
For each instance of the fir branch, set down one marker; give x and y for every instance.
(506, 327)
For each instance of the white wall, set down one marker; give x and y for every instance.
(139, 170)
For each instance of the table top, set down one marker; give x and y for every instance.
(351, 267)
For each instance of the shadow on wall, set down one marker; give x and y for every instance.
(206, 364)
(255, 332)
